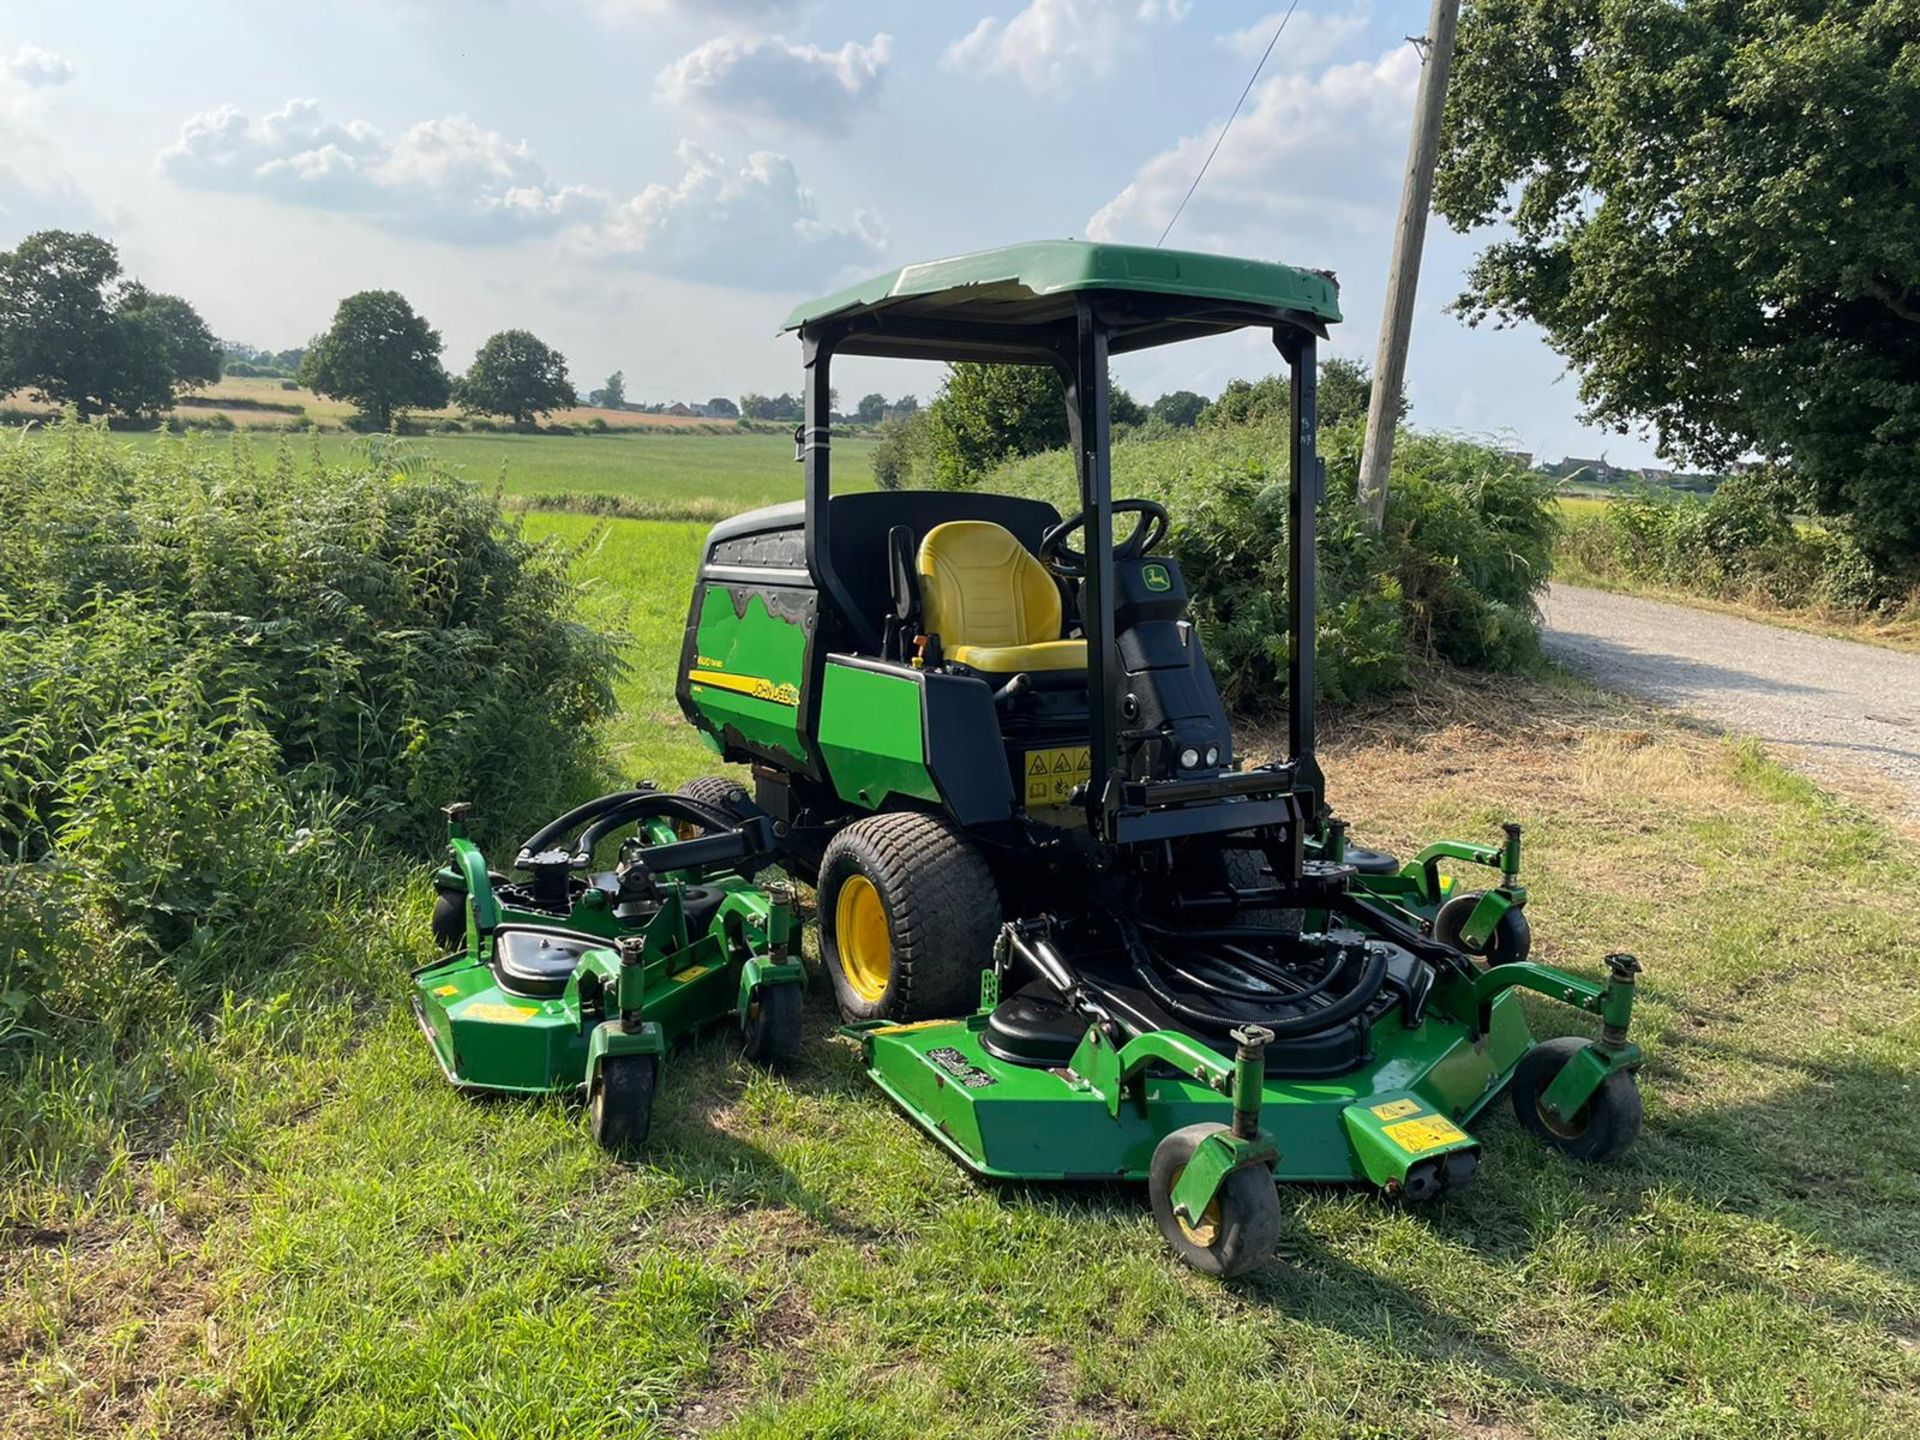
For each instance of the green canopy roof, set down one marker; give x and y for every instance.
(1014, 301)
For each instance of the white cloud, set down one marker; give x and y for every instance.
(1315, 156)
(34, 67)
(757, 227)
(1311, 37)
(773, 81)
(1052, 44)
(447, 178)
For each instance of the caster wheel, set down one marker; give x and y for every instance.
(1511, 940)
(1238, 1230)
(773, 1026)
(620, 1105)
(1601, 1130)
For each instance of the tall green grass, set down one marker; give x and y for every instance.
(238, 687)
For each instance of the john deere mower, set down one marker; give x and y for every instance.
(571, 978)
(1075, 936)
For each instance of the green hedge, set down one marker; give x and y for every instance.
(1454, 577)
(238, 690)
(1741, 543)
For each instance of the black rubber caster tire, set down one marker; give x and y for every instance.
(774, 1024)
(920, 915)
(1241, 1227)
(449, 923)
(1511, 940)
(1602, 1130)
(620, 1104)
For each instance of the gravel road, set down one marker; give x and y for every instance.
(1831, 705)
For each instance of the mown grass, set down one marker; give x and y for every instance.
(351, 1249)
(661, 473)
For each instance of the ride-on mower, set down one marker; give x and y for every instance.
(1073, 934)
(573, 979)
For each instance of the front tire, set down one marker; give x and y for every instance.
(1602, 1130)
(908, 912)
(1510, 940)
(620, 1104)
(774, 1023)
(1239, 1229)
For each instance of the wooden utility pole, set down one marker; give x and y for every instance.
(1396, 320)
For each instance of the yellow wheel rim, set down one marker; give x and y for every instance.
(860, 937)
(1208, 1230)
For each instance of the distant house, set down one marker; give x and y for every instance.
(1654, 475)
(1588, 472)
(1522, 458)
(678, 408)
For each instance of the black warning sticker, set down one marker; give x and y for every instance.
(960, 1068)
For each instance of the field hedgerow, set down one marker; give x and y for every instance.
(236, 692)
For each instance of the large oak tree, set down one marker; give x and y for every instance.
(1712, 208)
(379, 356)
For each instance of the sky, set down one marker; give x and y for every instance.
(650, 185)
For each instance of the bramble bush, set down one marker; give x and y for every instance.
(1455, 576)
(236, 694)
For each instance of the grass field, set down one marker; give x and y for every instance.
(257, 402)
(660, 473)
(322, 1239)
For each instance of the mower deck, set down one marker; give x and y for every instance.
(1022, 1122)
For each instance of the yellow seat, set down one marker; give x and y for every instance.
(994, 607)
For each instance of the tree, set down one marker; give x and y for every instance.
(1713, 218)
(723, 407)
(1123, 409)
(379, 356)
(907, 404)
(189, 355)
(985, 414)
(77, 334)
(613, 394)
(870, 409)
(1346, 392)
(1178, 408)
(516, 374)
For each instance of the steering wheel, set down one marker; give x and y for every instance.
(1149, 529)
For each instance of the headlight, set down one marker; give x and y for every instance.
(1189, 758)
(1213, 755)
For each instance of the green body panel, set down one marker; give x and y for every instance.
(872, 736)
(991, 284)
(1392, 1133)
(1022, 1122)
(747, 670)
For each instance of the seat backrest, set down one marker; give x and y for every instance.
(980, 586)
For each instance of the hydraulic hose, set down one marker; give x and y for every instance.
(1355, 1001)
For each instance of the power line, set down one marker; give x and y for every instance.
(1245, 91)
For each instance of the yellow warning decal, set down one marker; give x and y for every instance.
(1429, 1132)
(1394, 1109)
(691, 973)
(493, 1010)
(756, 686)
(1052, 774)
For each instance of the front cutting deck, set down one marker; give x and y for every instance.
(1021, 1122)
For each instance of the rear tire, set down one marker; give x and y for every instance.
(774, 1023)
(908, 912)
(1248, 870)
(1602, 1130)
(1241, 1226)
(620, 1104)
